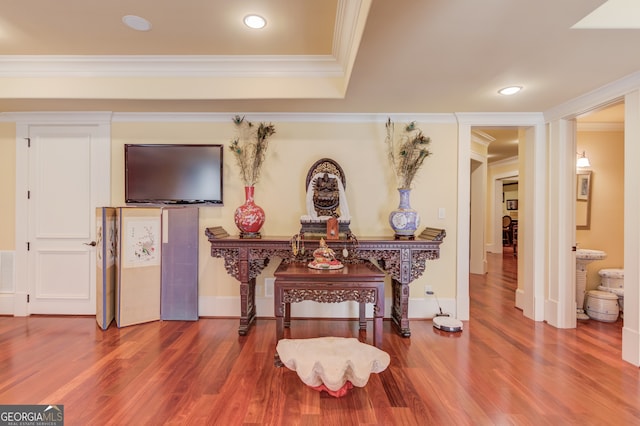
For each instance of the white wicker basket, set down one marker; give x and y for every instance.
(602, 306)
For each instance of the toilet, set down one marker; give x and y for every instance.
(602, 306)
(612, 280)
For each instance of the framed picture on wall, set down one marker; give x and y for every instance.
(583, 186)
(512, 204)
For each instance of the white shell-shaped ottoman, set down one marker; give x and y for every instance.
(332, 361)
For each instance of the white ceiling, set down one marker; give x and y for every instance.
(359, 56)
(613, 14)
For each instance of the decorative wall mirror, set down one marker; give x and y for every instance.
(583, 199)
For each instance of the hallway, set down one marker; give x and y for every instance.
(492, 298)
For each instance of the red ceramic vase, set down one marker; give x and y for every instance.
(249, 217)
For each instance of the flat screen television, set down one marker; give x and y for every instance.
(173, 174)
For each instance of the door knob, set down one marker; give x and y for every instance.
(92, 244)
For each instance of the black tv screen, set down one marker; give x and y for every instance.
(173, 174)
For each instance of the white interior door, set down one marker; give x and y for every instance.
(66, 182)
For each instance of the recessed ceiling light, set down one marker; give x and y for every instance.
(255, 21)
(136, 22)
(511, 90)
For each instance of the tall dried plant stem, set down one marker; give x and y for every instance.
(250, 147)
(407, 154)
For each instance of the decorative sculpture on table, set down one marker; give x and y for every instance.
(326, 199)
(326, 195)
(324, 258)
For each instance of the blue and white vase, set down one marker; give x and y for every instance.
(404, 220)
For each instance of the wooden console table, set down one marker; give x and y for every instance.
(358, 282)
(403, 260)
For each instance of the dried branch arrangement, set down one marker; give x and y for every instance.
(250, 147)
(407, 154)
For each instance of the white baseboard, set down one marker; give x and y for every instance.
(520, 299)
(631, 346)
(229, 306)
(427, 308)
(7, 271)
(14, 304)
(551, 312)
(217, 306)
(419, 308)
(494, 248)
(6, 304)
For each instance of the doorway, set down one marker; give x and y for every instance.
(532, 148)
(600, 139)
(65, 171)
(501, 182)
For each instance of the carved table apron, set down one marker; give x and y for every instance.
(358, 282)
(403, 260)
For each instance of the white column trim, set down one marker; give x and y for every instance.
(560, 310)
(631, 328)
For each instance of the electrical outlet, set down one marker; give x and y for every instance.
(268, 286)
(428, 290)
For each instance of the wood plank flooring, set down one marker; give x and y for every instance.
(503, 369)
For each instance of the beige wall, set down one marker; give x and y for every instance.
(358, 147)
(7, 185)
(606, 153)
(371, 190)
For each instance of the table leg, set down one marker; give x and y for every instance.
(287, 315)
(276, 360)
(278, 308)
(377, 332)
(400, 307)
(363, 318)
(378, 316)
(278, 311)
(279, 329)
(247, 305)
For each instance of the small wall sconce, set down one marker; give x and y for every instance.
(583, 160)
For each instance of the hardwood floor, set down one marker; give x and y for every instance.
(502, 369)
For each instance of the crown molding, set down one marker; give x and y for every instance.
(599, 127)
(481, 137)
(603, 96)
(281, 117)
(76, 117)
(504, 162)
(500, 118)
(55, 117)
(19, 66)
